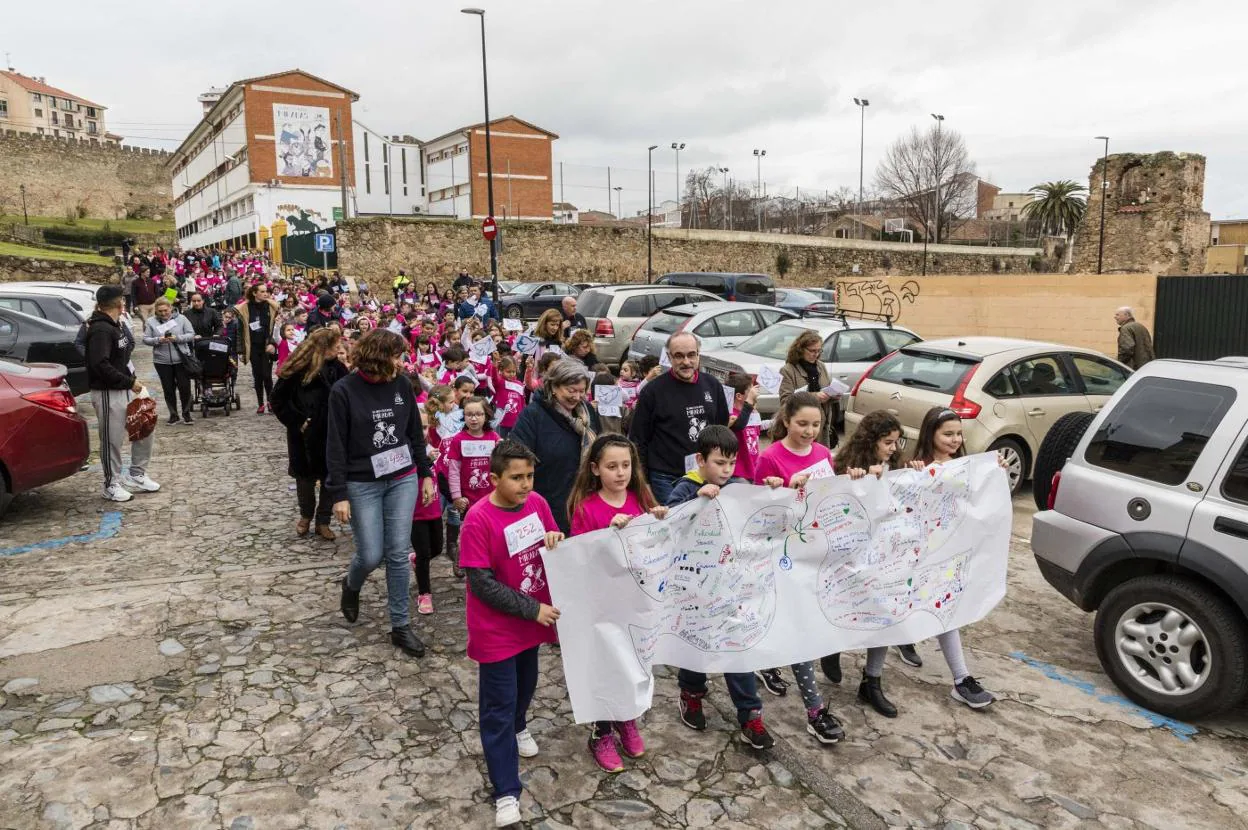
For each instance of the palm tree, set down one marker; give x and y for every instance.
(1058, 207)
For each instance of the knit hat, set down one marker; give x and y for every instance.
(325, 302)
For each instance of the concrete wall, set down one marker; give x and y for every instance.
(22, 269)
(108, 182)
(374, 248)
(1059, 308)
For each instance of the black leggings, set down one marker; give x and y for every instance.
(427, 542)
(175, 382)
(262, 373)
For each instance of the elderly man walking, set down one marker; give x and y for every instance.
(1135, 344)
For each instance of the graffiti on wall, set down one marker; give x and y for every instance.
(875, 296)
(300, 220)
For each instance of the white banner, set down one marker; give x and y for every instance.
(762, 578)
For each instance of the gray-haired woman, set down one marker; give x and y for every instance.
(171, 337)
(558, 428)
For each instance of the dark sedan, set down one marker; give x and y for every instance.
(25, 338)
(803, 302)
(46, 306)
(528, 300)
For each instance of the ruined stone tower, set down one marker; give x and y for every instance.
(1154, 216)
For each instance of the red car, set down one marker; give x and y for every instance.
(42, 436)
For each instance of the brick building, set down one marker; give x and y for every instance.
(31, 105)
(455, 171)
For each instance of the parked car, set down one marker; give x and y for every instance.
(582, 286)
(1147, 525)
(746, 288)
(80, 294)
(850, 347)
(719, 325)
(47, 306)
(827, 295)
(1008, 392)
(528, 300)
(42, 437)
(28, 339)
(803, 302)
(613, 313)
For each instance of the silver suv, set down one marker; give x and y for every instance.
(613, 313)
(1147, 524)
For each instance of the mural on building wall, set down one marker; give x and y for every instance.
(875, 296)
(300, 220)
(303, 142)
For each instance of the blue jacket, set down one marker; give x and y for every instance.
(466, 310)
(558, 450)
(686, 489)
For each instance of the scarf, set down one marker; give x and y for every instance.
(579, 421)
(812, 375)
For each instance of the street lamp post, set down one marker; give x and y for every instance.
(939, 120)
(862, 104)
(650, 211)
(678, 146)
(727, 198)
(489, 161)
(758, 156)
(1100, 252)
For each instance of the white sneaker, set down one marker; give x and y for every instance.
(526, 745)
(142, 483)
(117, 493)
(506, 811)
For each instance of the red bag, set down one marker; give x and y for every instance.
(140, 417)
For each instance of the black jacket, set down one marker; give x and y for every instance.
(109, 345)
(206, 321)
(319, 319)
(304, 410)
(558, 450)
(668, 417)
(369, 418)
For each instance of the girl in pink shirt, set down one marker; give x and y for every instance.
(426, 544)
(796, 457)
(745, 422)
(609, 492)
(468, 456)
(509, 395)
(286, 344)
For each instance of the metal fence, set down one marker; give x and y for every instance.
(1201, 317)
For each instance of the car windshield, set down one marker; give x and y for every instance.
(796, 296)
(665, 322)
(526, 288)
(771, 342)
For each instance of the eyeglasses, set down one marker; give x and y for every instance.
(684, 355)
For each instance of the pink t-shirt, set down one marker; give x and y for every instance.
(473, 456)
(778, 460)
(508, 542)
(425, 360)
(594, 513)
(509, 398)
(747, 452)
(427, 512)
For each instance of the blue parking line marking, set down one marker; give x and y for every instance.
(1182, 731)
(110, 525)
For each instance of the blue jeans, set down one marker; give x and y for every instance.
(661, 485)
(504, 691)
(381, 519)
(742, 688)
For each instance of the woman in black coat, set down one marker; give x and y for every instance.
(558, 428)
(301, 402)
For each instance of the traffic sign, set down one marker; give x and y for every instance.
(488, 229)
(324, 243)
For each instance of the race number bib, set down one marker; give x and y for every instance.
(524, 534)
(391, 461)
(477, 449)
(218, 347)
(820, 469)
(255, 325)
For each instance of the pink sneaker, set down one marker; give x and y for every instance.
(424, 604)
(630, 739)
(604, 752)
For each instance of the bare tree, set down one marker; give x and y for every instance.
(931, 178)
(697, 198)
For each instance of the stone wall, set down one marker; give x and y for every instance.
(23, 269)
(375, 248)
(62, 176)
(1058, 308)
(1154, 216)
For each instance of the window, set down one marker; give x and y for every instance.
(4, 108)
(632, 307)
(8, 335)
(737, 324)
(1159, 428)
(923, 370)
(894, 340)
(855, 347)
(1041, 376)
(69, 121)
(39, 114)
(91, 128)
(707, 329)
(1001, 385)
(55, 116)
(385, 165)
(91, 112)
(770, 316)
(665, 322)
(1100, 377)
(52, 101)
(1235, 486)
(36, 97)
(403, 164)
(67, 104)
(665, 300)
(749, 288)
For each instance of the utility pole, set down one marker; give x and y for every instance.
(561, 181)
(678, 146)
(727, 198)
(609, 192)
(342, 164)
(1100, 251)
(862, 104)
(758, 156)
(22, 187)
(489, 161)
(650, 214)
(939, 169)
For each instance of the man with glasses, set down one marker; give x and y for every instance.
(671, 411)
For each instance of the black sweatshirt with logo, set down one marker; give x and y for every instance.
(670, 414)
(367, 418)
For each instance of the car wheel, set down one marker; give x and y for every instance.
(1173, 646)
(1058, 445)
(1015, 461)
(514, 312)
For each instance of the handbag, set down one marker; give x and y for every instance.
(140, 416)
(194, 367)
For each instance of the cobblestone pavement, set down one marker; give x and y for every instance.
(189, 668)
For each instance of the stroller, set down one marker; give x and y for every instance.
(214, 388)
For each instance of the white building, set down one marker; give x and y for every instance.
(388, 174)
(448, 175)
(666, 214)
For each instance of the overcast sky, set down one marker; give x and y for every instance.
(1028, 85)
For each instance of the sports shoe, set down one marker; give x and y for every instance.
(141, 483)
(630, 739)
(174, 420)
(825, 727)
(260, 409)
(691, 714)
(424, 604)
(910, 656)
(186, 419)
(602, 747)
(506, 811)
(525, 745)
(773, 682)
(755, 735)
(831, 666)
(117, 493)
(971, 693)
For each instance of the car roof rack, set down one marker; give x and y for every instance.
(841, 314)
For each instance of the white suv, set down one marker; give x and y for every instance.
(1148, 526)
